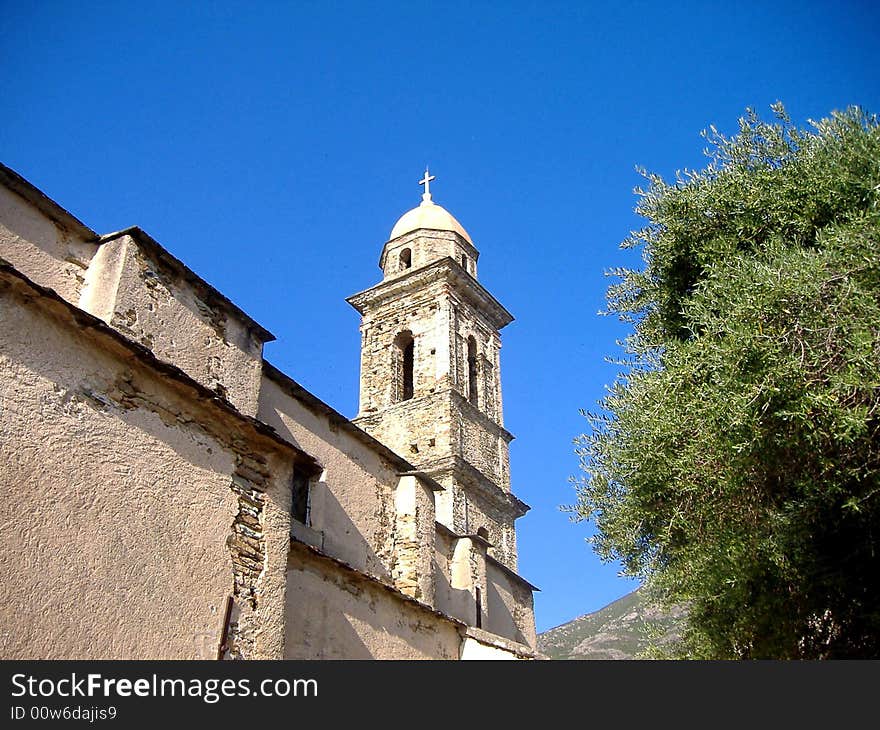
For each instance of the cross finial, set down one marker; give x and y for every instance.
(426, 181)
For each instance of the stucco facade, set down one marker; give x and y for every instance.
(167, 493)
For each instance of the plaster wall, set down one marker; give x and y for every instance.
(457, 601)
(333, 613)
(118, 507)
(43, 250)
(352, 504)
(93, 494)
(510, 608)
(474, 650)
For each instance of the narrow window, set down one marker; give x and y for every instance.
(405, 259)
(404, 363)
(479, 608)
(408, 370)
(299, 508)
(464, 262)
(472, 370)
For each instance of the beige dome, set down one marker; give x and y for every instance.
(428, 215)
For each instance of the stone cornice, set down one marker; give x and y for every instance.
(428, 233)
(458, 400)
(469, 475)
(446, 269)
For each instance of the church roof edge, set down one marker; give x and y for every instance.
(214, 295)
(30, 192)
(145, 355)
(447, 265)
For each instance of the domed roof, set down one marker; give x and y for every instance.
(428, 215)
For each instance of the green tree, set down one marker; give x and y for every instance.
(735, 463)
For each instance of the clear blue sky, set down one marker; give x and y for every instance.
(271, 146)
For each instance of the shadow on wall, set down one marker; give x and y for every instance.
(456, 602)
(331, 614)
(501, 621)
(344, 541)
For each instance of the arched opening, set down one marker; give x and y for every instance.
(464, 262)
(405, 260)
(472, 370)
(404, 363)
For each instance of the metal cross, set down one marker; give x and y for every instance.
(426, 181)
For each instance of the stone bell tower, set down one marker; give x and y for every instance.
(430, 386)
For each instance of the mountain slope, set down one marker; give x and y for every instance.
(621, 630)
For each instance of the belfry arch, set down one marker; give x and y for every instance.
(403, 367)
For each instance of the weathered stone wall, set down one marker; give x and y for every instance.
(413, 571)
(426, 429)
(146, 300)
(482, 444)
(42, 249)
(441, 324)
(258, 543)
(419, 429)
(334, 613)
(425, 316)
(121, 509)
(466, 322)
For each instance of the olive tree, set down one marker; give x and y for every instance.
(734, 465)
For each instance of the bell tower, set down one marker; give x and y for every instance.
(430, 383)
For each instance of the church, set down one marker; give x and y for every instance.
(168, 493)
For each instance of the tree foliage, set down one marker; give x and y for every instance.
(735, 464)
